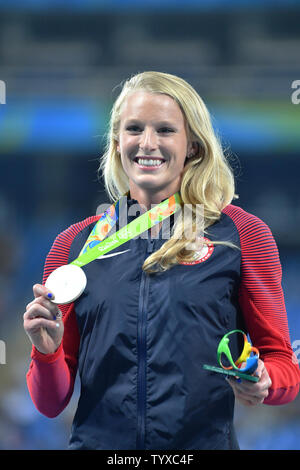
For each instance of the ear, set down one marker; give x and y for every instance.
(192, 149)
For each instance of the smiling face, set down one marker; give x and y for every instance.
(153, 144)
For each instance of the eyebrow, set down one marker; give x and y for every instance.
(166, 124)
(159, 123)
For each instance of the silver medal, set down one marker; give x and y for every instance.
(66, 283)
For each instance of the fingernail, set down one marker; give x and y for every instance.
(239, 380)
(49, 295)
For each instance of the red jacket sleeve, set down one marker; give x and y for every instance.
(51, 377)
(262, 302)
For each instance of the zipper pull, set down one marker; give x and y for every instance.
(150, 245)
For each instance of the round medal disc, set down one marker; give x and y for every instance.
(66, 283)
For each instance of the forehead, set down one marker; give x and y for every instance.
(151, 106)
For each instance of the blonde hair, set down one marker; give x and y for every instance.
(207, 177)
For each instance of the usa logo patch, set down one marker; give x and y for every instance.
(202, 255)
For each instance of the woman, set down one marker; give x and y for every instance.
(153, 314)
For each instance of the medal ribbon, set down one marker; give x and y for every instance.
(96, 246)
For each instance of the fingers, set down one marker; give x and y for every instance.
(43, 321)
(42, 307)
(34, 325)
(252, 393)
(40, 290)
(248, 397)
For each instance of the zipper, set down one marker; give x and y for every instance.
(142, 355)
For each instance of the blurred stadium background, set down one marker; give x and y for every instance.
(62, 63)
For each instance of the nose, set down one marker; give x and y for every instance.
(148, 141)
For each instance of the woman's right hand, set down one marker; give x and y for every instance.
(43, 321)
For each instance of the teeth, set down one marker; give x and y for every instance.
(149, 162)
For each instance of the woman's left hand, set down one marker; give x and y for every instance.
(252, 393)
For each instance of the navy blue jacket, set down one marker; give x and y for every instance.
(143, 340)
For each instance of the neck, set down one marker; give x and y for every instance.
(147, 198)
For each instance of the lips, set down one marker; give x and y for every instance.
(149, 164)
(142, 157)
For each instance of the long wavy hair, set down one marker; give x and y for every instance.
(207, 178)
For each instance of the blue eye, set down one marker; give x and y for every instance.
(133, 128)
(165, 130)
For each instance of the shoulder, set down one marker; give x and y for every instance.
(73, 230)
(258, 245)
(60, 250)
(249, 226)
